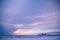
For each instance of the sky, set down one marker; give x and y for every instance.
(33, 16)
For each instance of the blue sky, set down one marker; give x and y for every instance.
(38, 15)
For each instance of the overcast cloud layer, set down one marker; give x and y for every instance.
(36, 15)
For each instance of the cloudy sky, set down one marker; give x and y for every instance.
(31, 15)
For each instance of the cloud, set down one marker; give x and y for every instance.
(24, 32)
(49, 20)
(11, 11)
(33, 31)
(21, 13)
(18, 25)
(46, 25)
(15, 6)
(36, 23)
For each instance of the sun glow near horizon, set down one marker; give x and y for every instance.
(36, 16)
(25, 32)
(32, 31)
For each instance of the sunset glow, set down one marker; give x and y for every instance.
(27, 17)
(24, 32)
